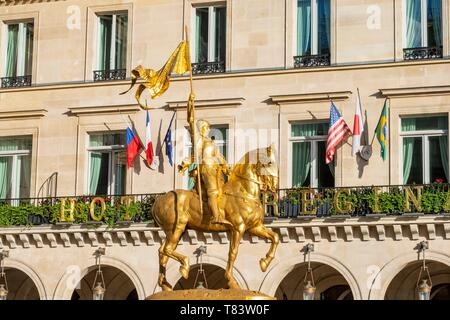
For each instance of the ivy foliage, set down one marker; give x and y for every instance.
(47, 211)
(435, 199)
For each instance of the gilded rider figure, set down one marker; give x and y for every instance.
(213, 168)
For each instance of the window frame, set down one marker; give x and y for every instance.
(111, 150)
(16, 19)
(112, 58)
(314, 28)
(423, 24)
(16, 168)
(314, 177)
(211, 30)
(425, 141)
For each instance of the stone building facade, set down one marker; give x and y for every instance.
(265, 71)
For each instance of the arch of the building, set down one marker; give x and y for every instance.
(173, 274)
(66, 285)
(281, 268)
(118, 284)
(23, 282)
(404, 285)
(212, 278)
(391, 269)
(330, 284)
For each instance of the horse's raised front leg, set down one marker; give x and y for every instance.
(236, 236)
(263, 232)
(169, 250)
(162, 280)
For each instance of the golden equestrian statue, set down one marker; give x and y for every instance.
(213, 205)
(238, 199)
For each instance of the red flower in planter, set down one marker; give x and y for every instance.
(439, 180)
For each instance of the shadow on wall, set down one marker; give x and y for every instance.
(49, 187)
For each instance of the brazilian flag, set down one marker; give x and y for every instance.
(382, 129)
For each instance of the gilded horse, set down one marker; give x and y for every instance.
(179, 210)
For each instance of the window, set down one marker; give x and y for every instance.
(425, 149)
(308, 145)
(313, 28)
(218, 133)
(112, 46)
(423, 23)
(210, 39)
(15, 167)
(107, 164)
(19, 54)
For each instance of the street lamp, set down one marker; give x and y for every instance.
(309, 287)
(200, 252)
(3, 282)
(99, 287)
(425, 285)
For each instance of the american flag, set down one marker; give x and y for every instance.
(336, 133)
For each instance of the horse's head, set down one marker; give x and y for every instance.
(267, 169)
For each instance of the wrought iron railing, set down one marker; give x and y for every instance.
(208, 67)
(109, 75)
(317, 60)
(422, 53)
(360, 201)
(342, 202)
(16, 82)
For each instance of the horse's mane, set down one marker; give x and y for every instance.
(250, 158)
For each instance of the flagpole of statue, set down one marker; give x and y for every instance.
(191, 120)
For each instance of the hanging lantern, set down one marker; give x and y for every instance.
(200, 252)
(99, 292)
(309, 287)
(99, 289)
(424, 288)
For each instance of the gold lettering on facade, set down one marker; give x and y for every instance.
(376, 205)
(270, 198)
(63, 210)
(127, 201)
(342, 206)
(307, 198)
(411, 197)
(92, 209)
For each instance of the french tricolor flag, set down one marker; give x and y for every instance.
(149, 155)
(133, 147)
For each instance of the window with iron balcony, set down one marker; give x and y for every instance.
(209, 40)
(423, 29)
(313, 33)
(19, 55)
(112, 47)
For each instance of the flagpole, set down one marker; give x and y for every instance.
(194, 153)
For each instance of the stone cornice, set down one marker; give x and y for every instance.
(20, 2)
(415, 91)
(296, 230)
(211, 103)
(22, 114)
(310, 97)
(81, 111)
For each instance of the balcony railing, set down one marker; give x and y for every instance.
(110, 75)
(317, 60)
(208, 67)
(300, 203)
(16, 82)
(422, 53)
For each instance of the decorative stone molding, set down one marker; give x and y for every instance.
(211, 103)
(311, 97)
(22, 114)
(84, 111)
(414, 92)
(289, 231)
(20, 2)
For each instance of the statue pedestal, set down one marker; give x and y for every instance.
(207, 294)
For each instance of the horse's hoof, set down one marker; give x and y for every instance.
(263, 264)
(184, 272)
(165, 287)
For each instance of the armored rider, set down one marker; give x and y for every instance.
(213, 168)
